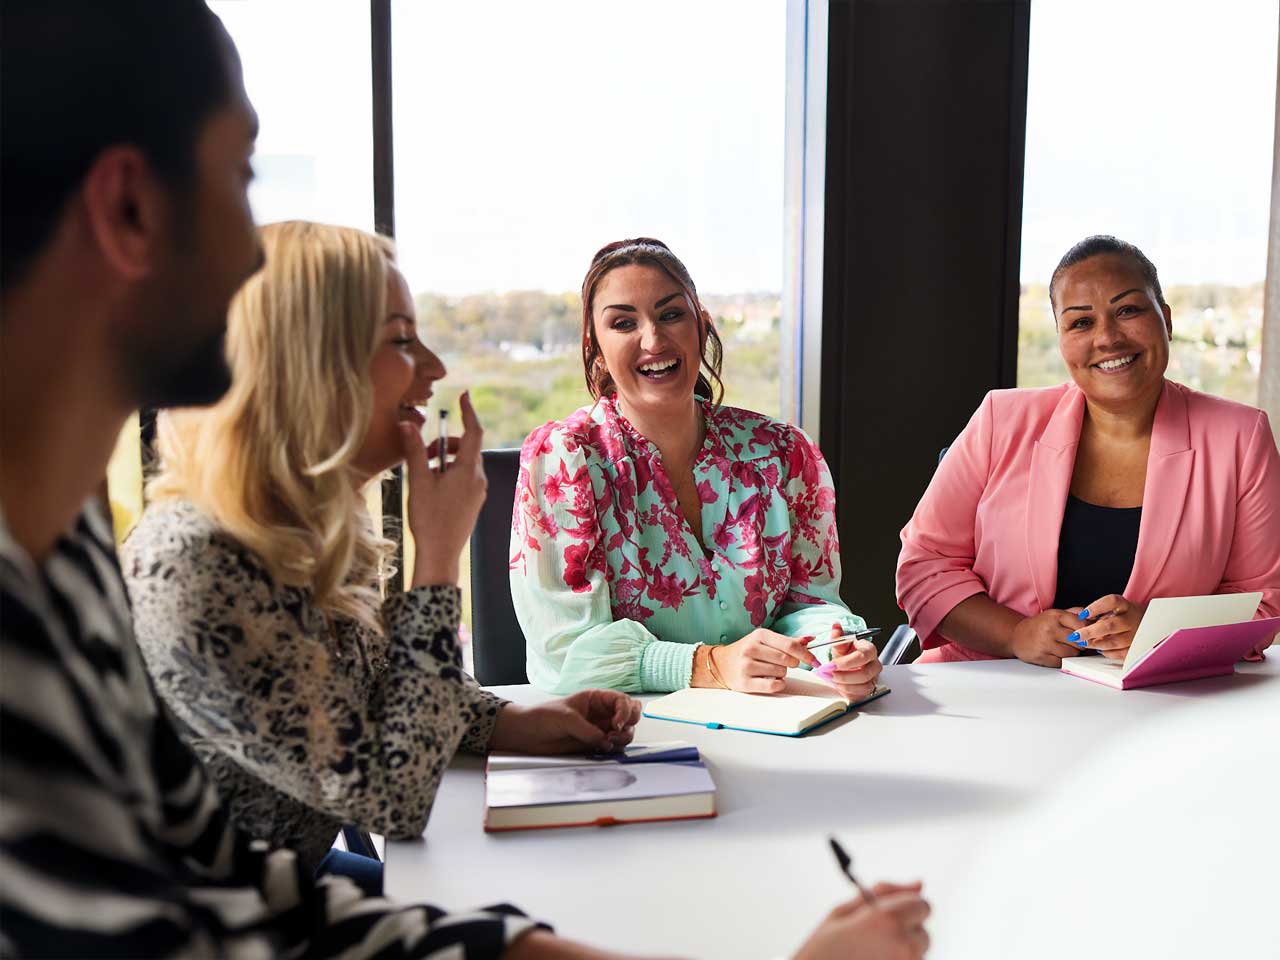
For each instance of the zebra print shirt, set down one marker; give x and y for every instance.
(113, 843)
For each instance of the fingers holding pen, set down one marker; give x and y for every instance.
(443, 503)
(415, 454)
(472, 433)
(1108, 625)
(451, 446)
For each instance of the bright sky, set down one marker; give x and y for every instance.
(529, 134)
(1153, 122)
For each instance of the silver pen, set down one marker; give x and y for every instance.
(860, 635)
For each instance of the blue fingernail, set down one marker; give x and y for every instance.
(1084, 614)
(1081, 643)
(1074, 637)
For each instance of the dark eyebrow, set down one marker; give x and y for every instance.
(657, 306)
(1125, 294)
(1085, 307)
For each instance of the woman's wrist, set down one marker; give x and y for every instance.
(701, 675)
(430, 572)
(508, 727)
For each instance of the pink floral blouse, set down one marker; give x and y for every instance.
(610, 584)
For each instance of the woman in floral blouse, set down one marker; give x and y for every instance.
(661, 540)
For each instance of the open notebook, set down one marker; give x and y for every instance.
(804, 704)
(658, 781)
(1182, 638)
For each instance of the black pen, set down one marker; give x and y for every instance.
(846, 865)
(860, 635)
(443, 441)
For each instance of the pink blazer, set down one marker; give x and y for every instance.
(990, 520)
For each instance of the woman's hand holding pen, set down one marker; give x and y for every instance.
(1112, 622)
(891, 929)
(1042, 639)
(757, 663)
(853, 668)
(443, 505)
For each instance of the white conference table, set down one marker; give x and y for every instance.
(960, 760)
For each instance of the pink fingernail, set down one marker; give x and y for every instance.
(825, 670)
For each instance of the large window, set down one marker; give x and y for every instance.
(314, 153)
(526, 136)
(307, 73)
(529, 135)
(1154, 123)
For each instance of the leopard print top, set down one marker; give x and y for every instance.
(303, 726)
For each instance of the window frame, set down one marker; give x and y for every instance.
(804, 180)
(803, 192)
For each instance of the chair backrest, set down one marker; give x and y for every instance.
(904, 645)
(497, 641)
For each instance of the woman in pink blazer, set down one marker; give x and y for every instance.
(1059, 513)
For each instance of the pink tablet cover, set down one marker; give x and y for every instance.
(1199, 652)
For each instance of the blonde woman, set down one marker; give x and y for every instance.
(255, 571)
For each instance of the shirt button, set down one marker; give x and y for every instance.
(723, 638)
(723, 605)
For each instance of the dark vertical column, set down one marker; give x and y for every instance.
(926, 127)
(384, 218)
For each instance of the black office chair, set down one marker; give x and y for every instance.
(904, 645)
(359, 841)
(497, 641)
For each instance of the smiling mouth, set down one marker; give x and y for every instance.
(1116, 364)
(659, 369)
(411, 410)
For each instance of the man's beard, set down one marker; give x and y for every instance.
(198, 377)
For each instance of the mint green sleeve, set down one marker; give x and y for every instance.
(812, 603)
(559, 586)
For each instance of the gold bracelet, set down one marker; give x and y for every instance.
(711, 665)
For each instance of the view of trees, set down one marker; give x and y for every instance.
(520, 355)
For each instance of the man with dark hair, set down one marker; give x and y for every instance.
(126, 230)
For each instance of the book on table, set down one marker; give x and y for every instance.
(1181, 638)
(646, 782)
(803, 705)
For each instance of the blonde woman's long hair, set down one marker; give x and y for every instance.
(272, 461)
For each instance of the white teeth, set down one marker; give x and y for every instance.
(657, 367)
(1117, 364)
